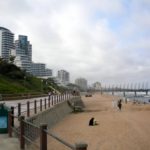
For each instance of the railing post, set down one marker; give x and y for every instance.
(64, 96)
(43, 137)
(10, 123)
(35, 107)
(58, 97)
(45, 102)
(49, 101)
(40, 104)
(55, 99)
(52, 99)
(12, 112)
(28, 109)
(19, 109)
(81, 146)
(49, 97)
(22, 140)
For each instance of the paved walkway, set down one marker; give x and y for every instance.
(7, 143)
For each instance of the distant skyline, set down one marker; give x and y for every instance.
(99, 40)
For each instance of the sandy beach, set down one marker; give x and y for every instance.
(128, 129)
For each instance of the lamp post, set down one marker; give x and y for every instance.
(41, 85)
(24, 80)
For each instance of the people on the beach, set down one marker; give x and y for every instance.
(93, 122)
(113, 103)
(119, 104)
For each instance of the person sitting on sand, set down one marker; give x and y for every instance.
(92, 122)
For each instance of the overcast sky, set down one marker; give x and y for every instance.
(100, 40)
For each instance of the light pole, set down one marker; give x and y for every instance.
(41, 85)
(24, 80)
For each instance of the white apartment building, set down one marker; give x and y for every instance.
(97, 86)
(6, 43)
(63, 77)
(82, 83)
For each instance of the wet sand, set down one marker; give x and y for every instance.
(128, 129)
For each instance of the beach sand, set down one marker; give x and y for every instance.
(128, 129)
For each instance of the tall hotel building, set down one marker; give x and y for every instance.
(23, 50)
(6, 43)
(63, 77)
(82, 83)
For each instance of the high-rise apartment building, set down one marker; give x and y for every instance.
(63, 77)
(97, 85)
(82, 83)
(23, 50)
(6, 43)
(39, 70)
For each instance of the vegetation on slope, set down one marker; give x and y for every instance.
(13, 80)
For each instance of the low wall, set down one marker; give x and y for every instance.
(56, 113)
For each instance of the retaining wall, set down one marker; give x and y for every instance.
(56, 113)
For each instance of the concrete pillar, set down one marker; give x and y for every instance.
(124, 94)
(135, 93)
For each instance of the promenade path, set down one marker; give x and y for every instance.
(7, 143)
(125, 130)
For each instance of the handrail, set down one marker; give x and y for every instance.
(60, 140)
(31, 141)
(36, 130)
(31, 124)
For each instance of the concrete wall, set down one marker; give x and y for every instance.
(55, 113)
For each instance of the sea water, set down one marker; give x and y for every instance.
(140, 97)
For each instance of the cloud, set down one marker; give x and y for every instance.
(106, 41)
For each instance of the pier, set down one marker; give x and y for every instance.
(125, 90)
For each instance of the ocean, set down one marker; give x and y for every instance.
(141, 97)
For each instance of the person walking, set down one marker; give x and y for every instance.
(120, 104)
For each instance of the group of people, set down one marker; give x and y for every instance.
(118, 104)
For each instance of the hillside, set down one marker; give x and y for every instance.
(15, 81)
